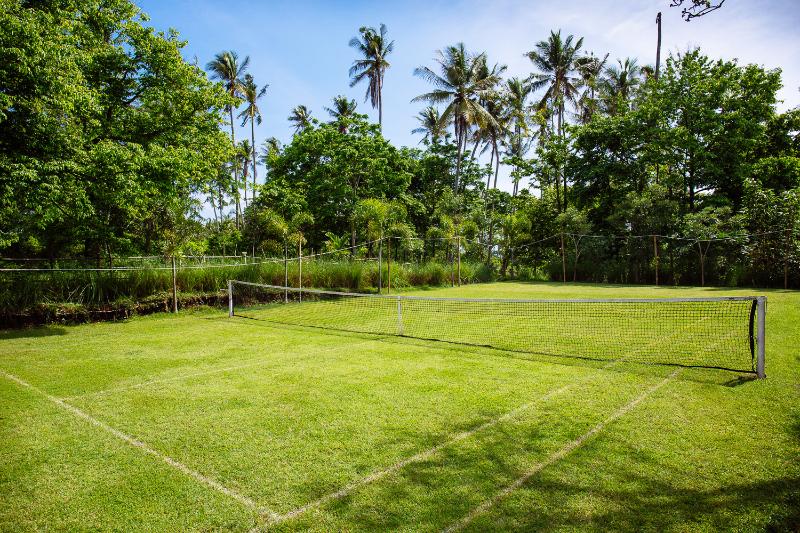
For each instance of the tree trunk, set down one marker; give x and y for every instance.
(221, 201)
(380, 100)
(489, 177)
(253, 146)
(474, 153)
(561, 170)
(459, 143)
(496, 161)
(235, 167)
(658, 45)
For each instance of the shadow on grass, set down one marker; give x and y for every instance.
(24, 333)
(640, 493)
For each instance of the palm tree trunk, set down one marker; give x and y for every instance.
(489, 177)
(253, 145)
(496, 160)
(460, 139)
(561, 170)
(235, 168)
(474, 150)
(214, 208)
(658, 46)
(380, 99)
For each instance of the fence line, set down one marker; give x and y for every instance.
(362, 244)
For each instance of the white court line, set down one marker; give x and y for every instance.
(421, 456)
(556, 456)
(241, 498)
(209, 372)
(427, 454)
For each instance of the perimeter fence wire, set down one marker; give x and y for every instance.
(718, 332)
(464, 240)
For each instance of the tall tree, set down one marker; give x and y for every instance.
(556, 60)
(245, 158)
(590, 68)
(300, 118)
(252, 114)
(342, 111)
(460, 86)
(430, 125)
(619, 85)
(106, 131)
(226, 68)
(374, 46)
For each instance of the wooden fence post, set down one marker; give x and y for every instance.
(389, 266)
(300, 267)
(174, 286)
(655, 251)
(458, 244)
(285, 272)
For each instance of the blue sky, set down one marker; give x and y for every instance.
(301, 48)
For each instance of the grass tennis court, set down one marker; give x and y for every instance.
(204, 422)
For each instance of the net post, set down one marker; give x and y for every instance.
(230, 298)
(761, 303)
(399, 316)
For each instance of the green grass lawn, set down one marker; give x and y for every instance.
(204, 422)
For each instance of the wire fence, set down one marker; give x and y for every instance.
(392, 262)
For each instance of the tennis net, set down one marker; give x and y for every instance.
(720, 332)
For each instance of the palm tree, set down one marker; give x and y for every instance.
(495, 131)
(556, 60)
(430, 125)
(374, 47)
(517, 114)
(270, 149)
(460, 86)
(245, 157)
(489, 133)
(226, 68)
(342, 111)
(252, 114)
(619, 85)
(590, 68)
(300, 118)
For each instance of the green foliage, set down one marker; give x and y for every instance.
(332, 170)
(106, 130)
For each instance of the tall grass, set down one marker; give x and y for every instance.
(23, 290)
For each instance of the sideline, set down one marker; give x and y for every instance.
(197, 476)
